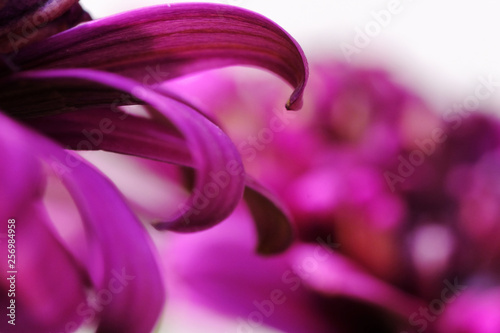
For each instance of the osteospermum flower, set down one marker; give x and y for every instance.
(68, 90)
(395, 209)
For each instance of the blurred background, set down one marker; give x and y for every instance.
(441, 47)
(437, 49)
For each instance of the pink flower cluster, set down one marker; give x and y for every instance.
(394, 204)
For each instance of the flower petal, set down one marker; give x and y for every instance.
(128, 264)
(338, 276)
(21, 177)
(147, 138)
(473, 310)
(112, 256)
(128, 134)
(30, 21)
(273, 223)
(41, 304)
(220, 176)
(163, 42)
(217, 268)
(14, 9)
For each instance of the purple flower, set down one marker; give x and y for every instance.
(395, 207)
(95, 264)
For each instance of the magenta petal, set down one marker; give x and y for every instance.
(118, 266)
(129, 267)
(127, 134)
(153, 140)
(150, 139)
(220, 177)
(218, 268)
(20, 178)
(42, 304)
(470, 309)
(335, 275)
(163, 42)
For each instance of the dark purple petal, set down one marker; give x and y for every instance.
(118, 266)
(274, 229)
(14, 9)
(131, 135)
(163, 42)
(29, 21)
(220, 177)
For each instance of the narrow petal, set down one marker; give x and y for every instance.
(273, 223)
(41, 304)
(126, 269)
(16, 190)
(163, 42)
(220, 177)
(218, 268)
(128, 134)
(338, 276)
(124, 274)
(150, 139)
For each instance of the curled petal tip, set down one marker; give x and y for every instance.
(294, 104)
(173, 40)
(273, 223)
